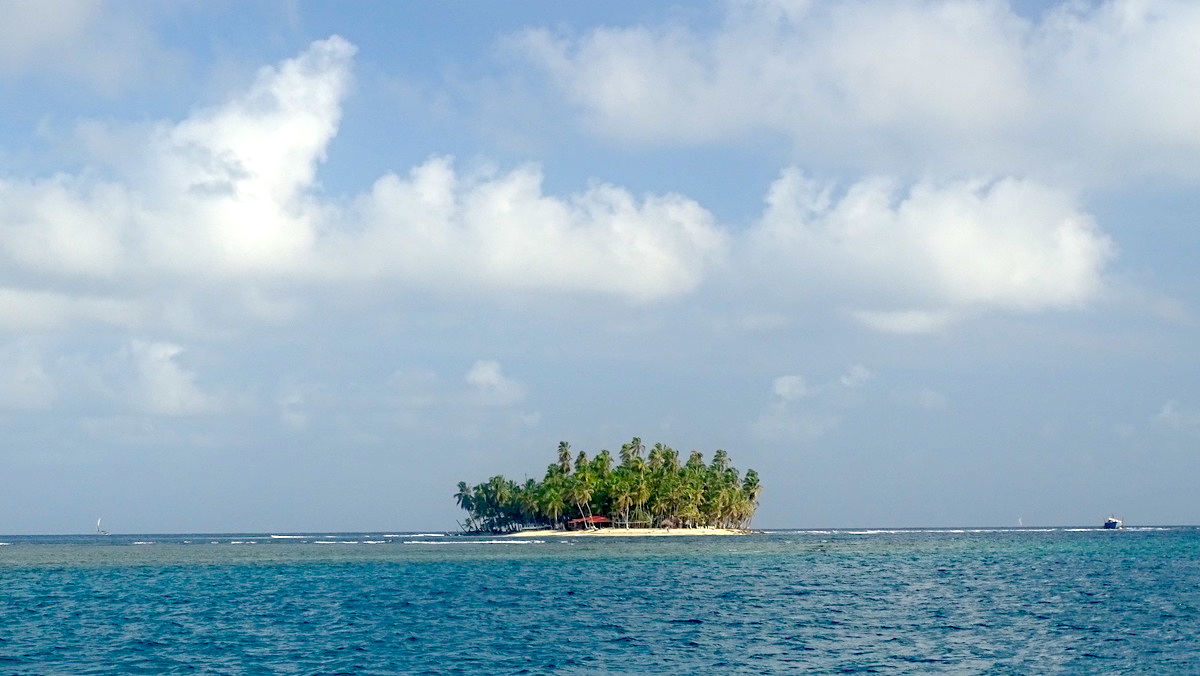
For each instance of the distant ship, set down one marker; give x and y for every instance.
(1113, 523)
(99, 530)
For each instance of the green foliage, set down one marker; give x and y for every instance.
(652, 491)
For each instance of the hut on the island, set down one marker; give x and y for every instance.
(589, 523)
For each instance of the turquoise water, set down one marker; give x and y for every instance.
(1056, 601)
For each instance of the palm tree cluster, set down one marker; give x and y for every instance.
(653, 489)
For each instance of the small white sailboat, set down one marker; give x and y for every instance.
(99, 530)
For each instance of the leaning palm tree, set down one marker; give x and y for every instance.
(465, 500)
(463, 496)
(580, 491)
(751, 489)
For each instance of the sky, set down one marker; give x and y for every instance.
(303, 266)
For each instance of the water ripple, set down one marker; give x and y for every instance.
(897, 602)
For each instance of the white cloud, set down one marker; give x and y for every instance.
(857, 376)
(226, 189)
(917, 262)
(162, 387)
(790, 388)
(218, 213)
(222, 203)
(436, 228)
(38, 310)
(217, 200)
(64, 226)
(491, 387)
(906, 321)
(956, 84)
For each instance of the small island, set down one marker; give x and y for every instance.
(647, 493)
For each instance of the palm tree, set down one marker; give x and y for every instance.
(528, 500)
(670, 459)
(552, 498)
(602, 464)
(642, 490)
(623, 494)
(720, 461)
(631, 453)
(564, 457)
(464, 499)
(463, 496)
(580, 491)
(751, 489)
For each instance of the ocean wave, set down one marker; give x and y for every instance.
(475, 542)
(874, 531)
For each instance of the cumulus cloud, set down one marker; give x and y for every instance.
(218, 199)
(223, 204)
(857, 376)
(954, 84)
(491, 387)
(790, 388)
(437, 228)
(226, 189)
(225, 199)
(162, 386)
(918, 260)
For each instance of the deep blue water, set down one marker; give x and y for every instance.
(1029, 601)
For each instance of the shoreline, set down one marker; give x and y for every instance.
(628, 532)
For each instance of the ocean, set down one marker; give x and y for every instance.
(921, 601)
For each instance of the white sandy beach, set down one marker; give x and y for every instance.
(627, 532)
